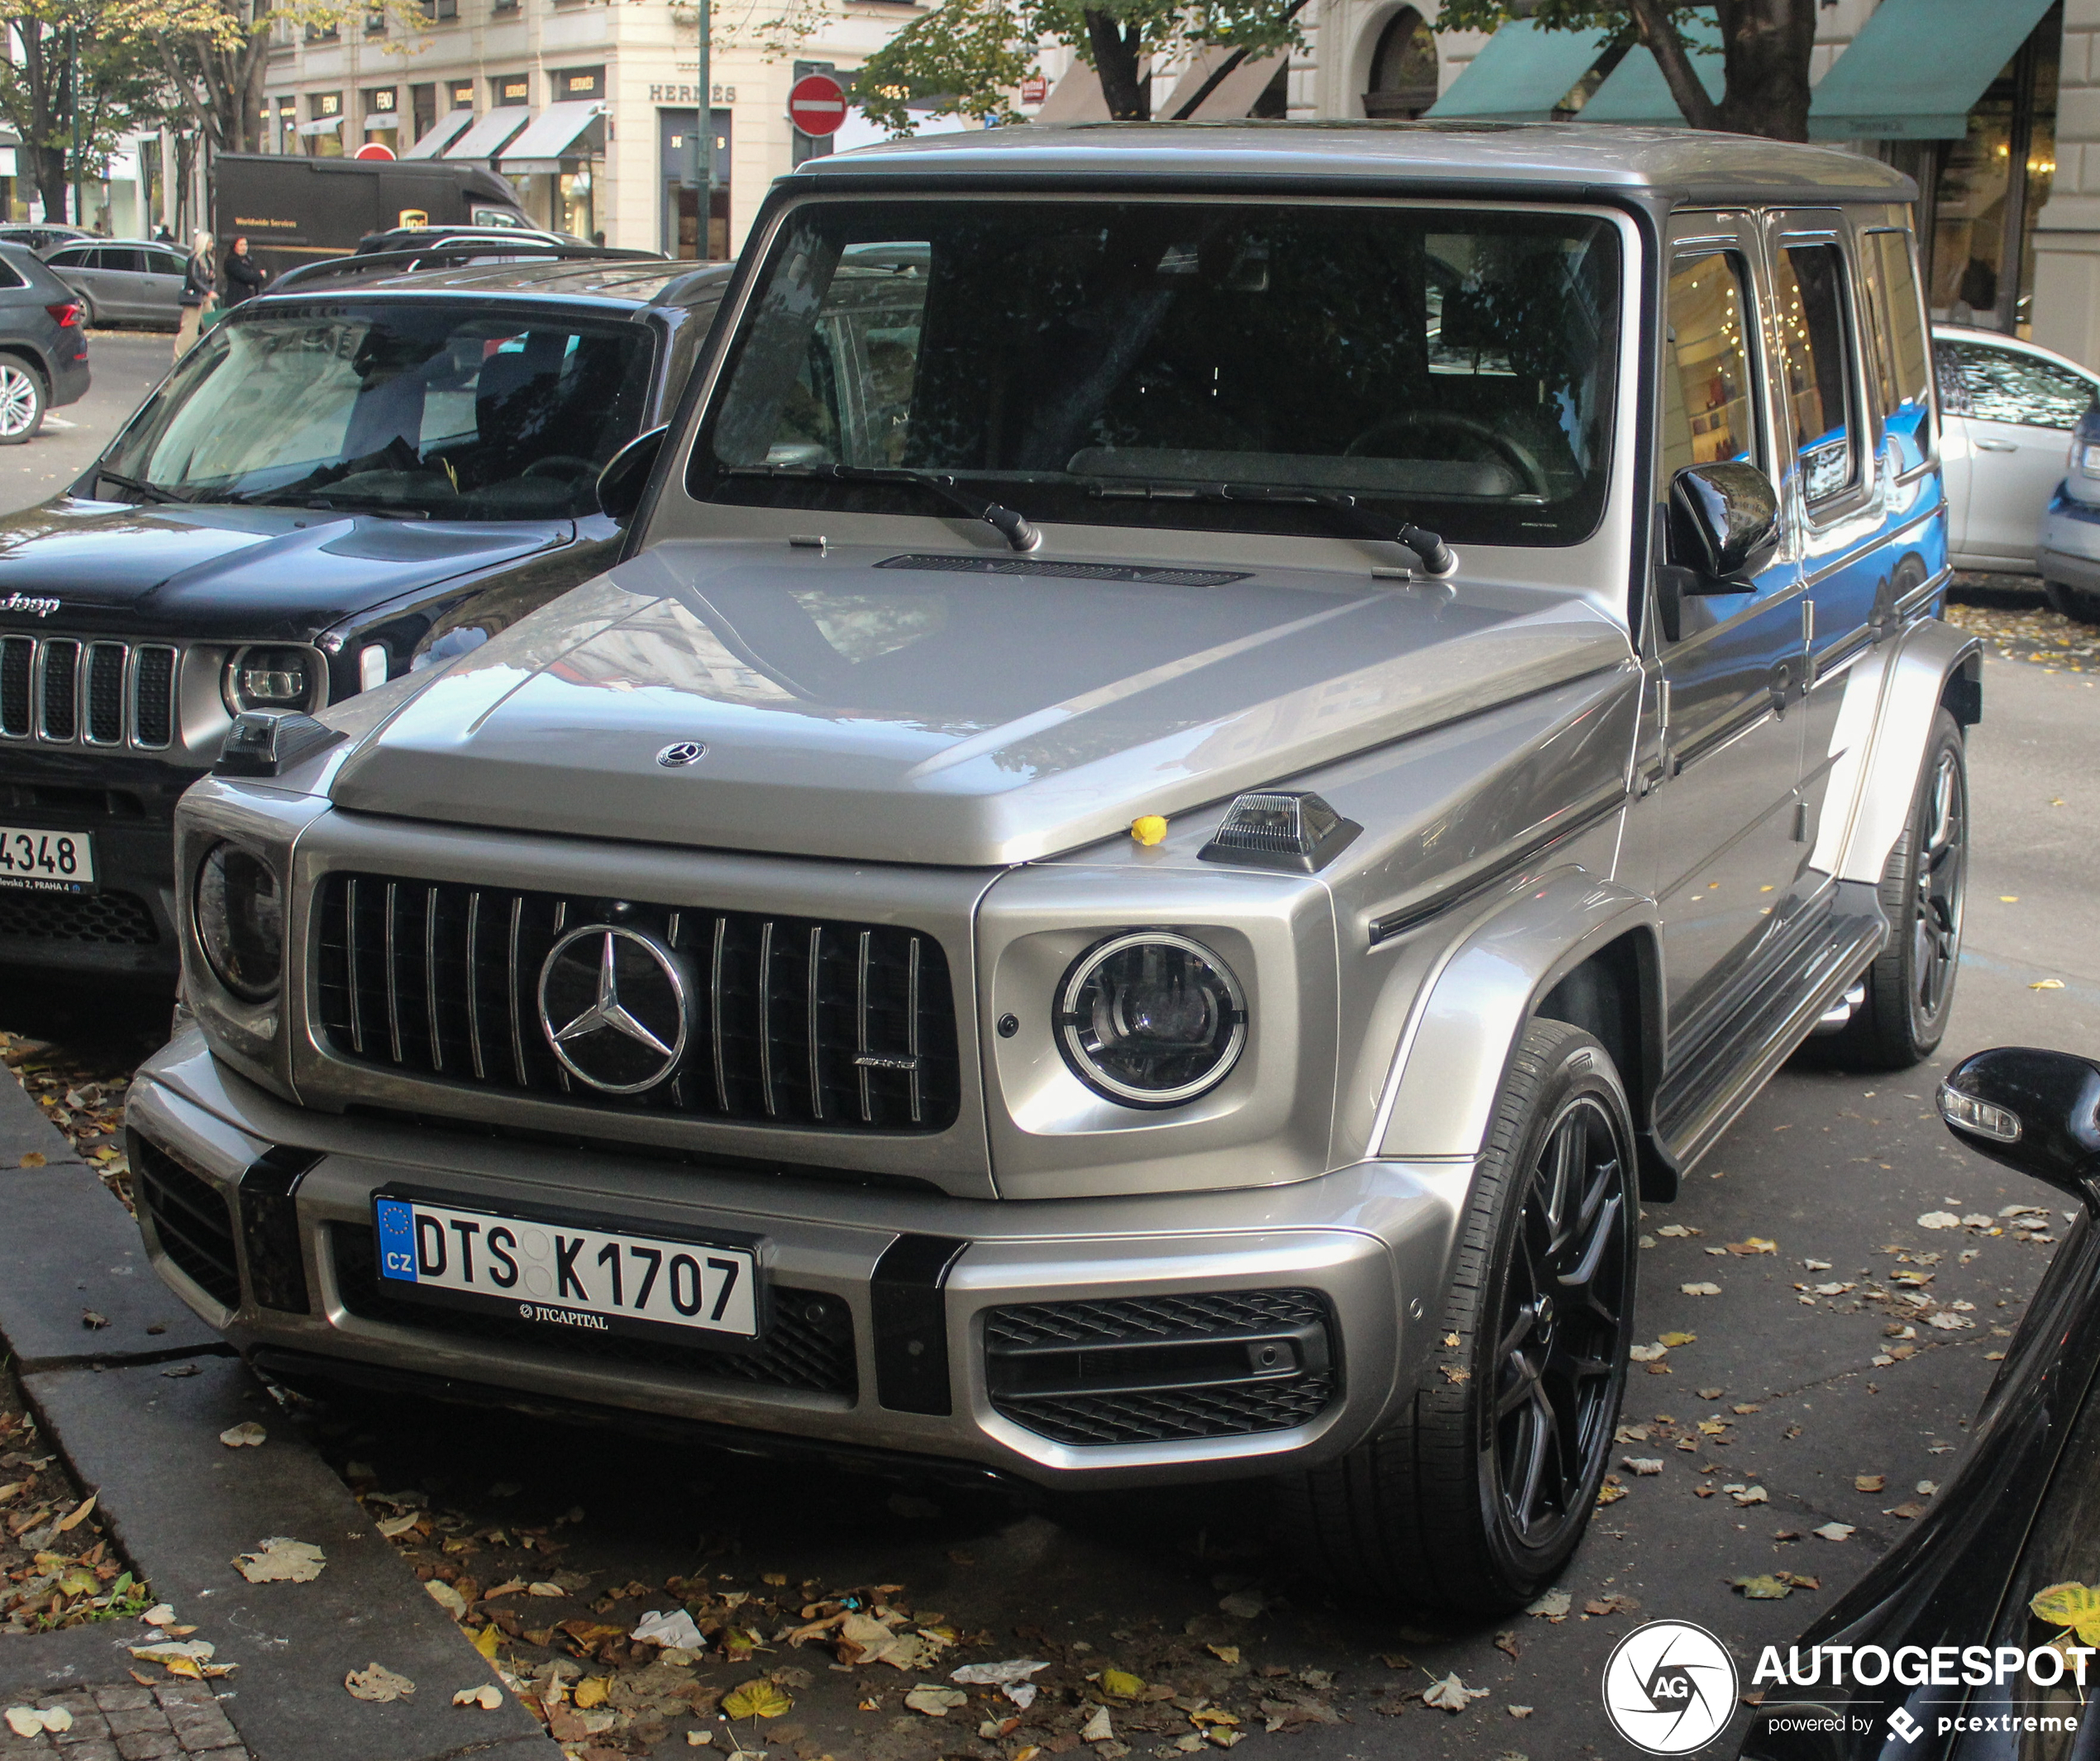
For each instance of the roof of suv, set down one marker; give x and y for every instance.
(1564, 157)
(625, 284)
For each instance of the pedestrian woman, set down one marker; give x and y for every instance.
(199, 292)
(245, 277)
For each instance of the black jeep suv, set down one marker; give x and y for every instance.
(368, 469)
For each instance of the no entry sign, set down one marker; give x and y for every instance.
(817, 104)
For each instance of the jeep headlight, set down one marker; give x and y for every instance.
(240, 910)
(1151, 1018)
(271, 678)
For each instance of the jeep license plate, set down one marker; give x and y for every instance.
(35, 859)
(560, 1274)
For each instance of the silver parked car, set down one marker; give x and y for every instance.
(1214, 752)
(124, 280)
(2007, 409)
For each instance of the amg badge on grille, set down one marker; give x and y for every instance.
(613, 1006)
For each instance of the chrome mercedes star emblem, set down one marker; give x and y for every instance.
(680, 753)
(613, 1006)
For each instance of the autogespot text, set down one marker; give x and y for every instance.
(1918, 1666)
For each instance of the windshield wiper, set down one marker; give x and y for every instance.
(1015, 527)
(137, 486)
(1438, 559)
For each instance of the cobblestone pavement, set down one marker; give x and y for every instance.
(128, 1723)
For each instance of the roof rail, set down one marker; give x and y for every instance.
(453, 256)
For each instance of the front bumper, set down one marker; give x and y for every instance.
(1367, 1246)
(125, 928)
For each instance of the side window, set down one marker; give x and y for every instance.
(2003, 385)
(10, 276)
(113, 256)
(1902, 361)
(1708, 413)
(69, 259)
(1817, 354)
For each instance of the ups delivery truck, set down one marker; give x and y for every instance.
(293, 210)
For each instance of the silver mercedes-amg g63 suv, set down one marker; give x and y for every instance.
(1212, 750)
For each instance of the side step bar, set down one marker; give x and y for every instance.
(1697, 1104)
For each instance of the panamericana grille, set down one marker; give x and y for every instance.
(808, 1344)
(68, 692)
(1163, 1369)
(794, 1020)
(191, 1219)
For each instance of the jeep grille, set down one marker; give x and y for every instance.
(793, 1020)
(61, 690)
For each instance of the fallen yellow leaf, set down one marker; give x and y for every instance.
(757, 1698)
(592, 1691)
(1120, 1682)
(2076, 1605)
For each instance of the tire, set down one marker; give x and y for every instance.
(1473, 1502)
(87, 311)
(22, 397)
(1911, 985)
(2076, 602)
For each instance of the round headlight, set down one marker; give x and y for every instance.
(271, 679)
(240, 921)
(1151, 1018)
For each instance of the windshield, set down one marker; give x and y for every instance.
(1114, 362)
(423, 412)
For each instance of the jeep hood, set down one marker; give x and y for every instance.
(245, 574)
(955, 709)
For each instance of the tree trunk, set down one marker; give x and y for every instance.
(1652, 19)
(1115, 59)
(50, 162)
(1766, 45)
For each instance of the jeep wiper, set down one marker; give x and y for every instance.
(1015, 527)
(1437, 558)
(137, 486)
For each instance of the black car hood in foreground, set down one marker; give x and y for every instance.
(244, 574)
(1964, 1574)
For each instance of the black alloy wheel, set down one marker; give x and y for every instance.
(1474, 1495)
(1562, 1338)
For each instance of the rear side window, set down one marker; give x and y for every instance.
(10, 276)
(1999, 384)
(1900, 358)
(1708, 415)
(116, 257)
(1815, 342)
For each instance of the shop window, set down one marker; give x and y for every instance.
(1815, 354)
(511, 89)
(1707, 379)
(461, 94)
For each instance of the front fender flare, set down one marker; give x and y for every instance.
(1440, 1100)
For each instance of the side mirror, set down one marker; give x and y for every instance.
(1724, 524)
(2036, 1112)
(626, 474)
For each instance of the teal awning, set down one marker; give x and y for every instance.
(1916, 69)
(1521, 74)
(1637, 92)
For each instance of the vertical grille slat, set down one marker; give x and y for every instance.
(61, 692)
(17, 664)
(105, 692)
(153, 696)
(793, 1020)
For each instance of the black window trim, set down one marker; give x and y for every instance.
(1783, 230)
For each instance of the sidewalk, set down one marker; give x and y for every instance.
(135, 1406)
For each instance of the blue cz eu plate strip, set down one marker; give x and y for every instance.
(397, 1222)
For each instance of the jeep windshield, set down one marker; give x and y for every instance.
(418, 411)
(1113, 363)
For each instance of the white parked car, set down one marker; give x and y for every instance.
(2007, 409)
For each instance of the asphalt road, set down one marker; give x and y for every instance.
(1830, 1168)
(123, 367)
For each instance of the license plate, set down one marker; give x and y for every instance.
(40, 860)
(590, 1276)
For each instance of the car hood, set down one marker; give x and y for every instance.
(947, 709)
(247, 574)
